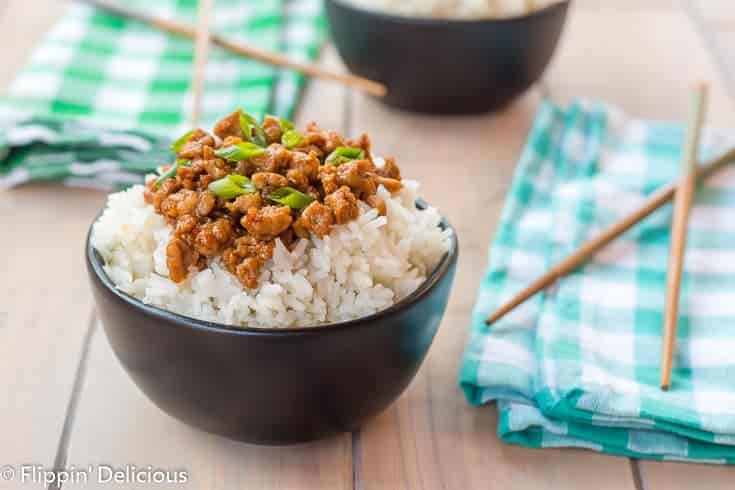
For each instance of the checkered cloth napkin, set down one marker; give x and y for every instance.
(102, 96)
(578, 365)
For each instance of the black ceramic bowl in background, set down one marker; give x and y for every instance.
(447, 66)
(272, 386)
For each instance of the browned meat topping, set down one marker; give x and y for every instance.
(343, 204)
(392, 185)
(244, 202)
(377, 202)
(193, 148)
(180, 258)
(358, 175)
(229, 126)
(234, 194)
(390, 169)
(316, 218)
(267, 223)
(267, 182)
(272, 128)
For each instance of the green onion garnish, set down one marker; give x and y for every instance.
(171, 171)
(246, 122)
(344, 154)
(240, 151)
(291, 139)
(285, 125)
(288, 196)
(253, 132)
(231, 186)
(259, 137)
(179, 143)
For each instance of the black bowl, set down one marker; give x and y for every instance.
(447, 66)
(272, 386)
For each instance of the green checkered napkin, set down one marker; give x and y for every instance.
(578, 365)
(102, 95)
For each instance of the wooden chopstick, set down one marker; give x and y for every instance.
(369, 86)
(591, 247)
(680, 220)
(201, 54)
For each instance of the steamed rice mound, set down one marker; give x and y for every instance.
(358, 269)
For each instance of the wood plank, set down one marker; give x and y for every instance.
(635, 65)
(44, 314)
(117, 423)
(431, 438)
(46, 304)
(683, 476)
(650, 83)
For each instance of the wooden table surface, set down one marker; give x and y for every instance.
(66, 400)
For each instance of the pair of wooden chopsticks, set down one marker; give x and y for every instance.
(684, 191)
(205, 7)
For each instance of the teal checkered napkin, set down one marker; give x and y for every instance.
(578, 365)
(131, 84)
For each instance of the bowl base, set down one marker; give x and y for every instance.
(456, 108)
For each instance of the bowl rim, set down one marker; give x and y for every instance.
(95, 265)
(435, 21)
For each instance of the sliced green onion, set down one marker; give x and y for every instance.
(243, 182)
(179, 143)
(246, 122)
(288, 196)
(171, 172)
(240, 151)
(291, 139)
(231, 186)
(344, 154)
(253, 132)
(259, 137)
(285, 124)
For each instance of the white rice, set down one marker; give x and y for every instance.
(358, 269)
(454, 8)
